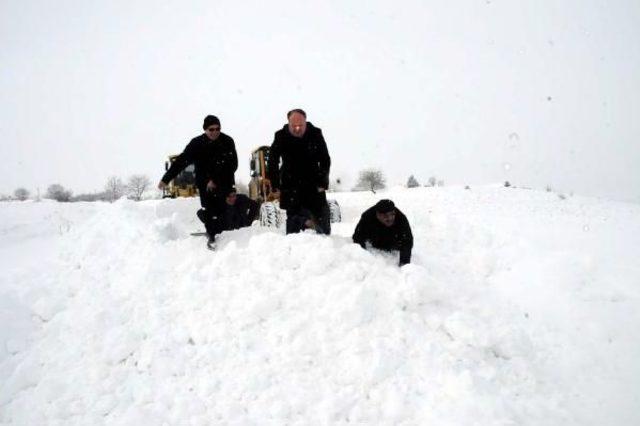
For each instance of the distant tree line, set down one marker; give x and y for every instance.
(373, 179)
(370, 179)
(412, 182)
(114, 189)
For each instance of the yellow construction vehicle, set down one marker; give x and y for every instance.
(259, 185)
(260, 189)
(183, 185)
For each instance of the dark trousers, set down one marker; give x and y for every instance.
(304, 204)
(212, 212)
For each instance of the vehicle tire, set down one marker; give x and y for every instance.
(281, 216)
(334, 211)
(269, 215)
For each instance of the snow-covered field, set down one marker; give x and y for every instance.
(519, 308)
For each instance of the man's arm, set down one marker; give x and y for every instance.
(324, 162)
(405, 256)
(273, 168)
(360, 234)
(234, 156)
(183, 160)
(405, 238)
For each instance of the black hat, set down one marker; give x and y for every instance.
(210, 120)
(384, 206)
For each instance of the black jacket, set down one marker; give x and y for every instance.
(395, 237)
(305, 161)
(242, 213)
(213, 160)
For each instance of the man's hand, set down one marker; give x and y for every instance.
(211, 186)
(321, 189)
(162, 185)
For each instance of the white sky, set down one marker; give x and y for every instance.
(535, 92)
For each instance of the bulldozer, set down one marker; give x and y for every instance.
(260, 190)
(183, 185)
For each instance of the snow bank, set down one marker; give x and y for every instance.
(519, 308)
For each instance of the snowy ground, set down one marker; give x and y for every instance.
(519, 308)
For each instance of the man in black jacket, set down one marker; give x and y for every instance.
(240, 210)
(303, 177)
(215, 159)
(385, 227)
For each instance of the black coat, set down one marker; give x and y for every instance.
(213, 160)
(395, 237)
(305, 163)
(305, 168)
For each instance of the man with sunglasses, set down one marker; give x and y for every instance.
(215, 160)
(303, 177)
(385, 227)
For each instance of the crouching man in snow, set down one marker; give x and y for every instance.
(385, 227)
(240, 210)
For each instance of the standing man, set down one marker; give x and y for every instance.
(215, 159)
(384, 227)
(303, 177)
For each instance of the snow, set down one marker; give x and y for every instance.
(518, 308)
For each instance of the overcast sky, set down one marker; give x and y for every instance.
(537, 92)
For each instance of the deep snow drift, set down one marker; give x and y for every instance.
(519, 308)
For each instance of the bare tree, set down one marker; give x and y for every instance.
(114, 189)
(21, 194)
(137, 185)
(58, 193)
(432, 181)
(371, 179)
(412, 182)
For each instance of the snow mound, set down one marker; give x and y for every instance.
(510, 314)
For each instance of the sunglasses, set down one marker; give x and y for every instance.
(213, 129)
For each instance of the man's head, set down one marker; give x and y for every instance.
(297, 122)
(231, 197)
(211, 127)
(386, 212)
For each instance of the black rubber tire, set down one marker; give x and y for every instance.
(269, 215)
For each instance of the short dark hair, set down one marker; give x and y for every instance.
(384, 206)
(299, 111)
